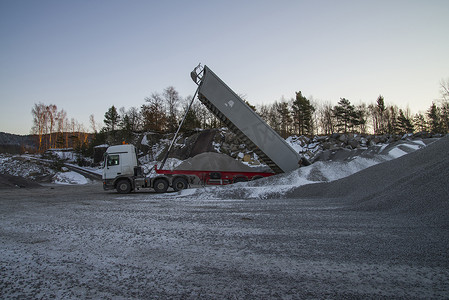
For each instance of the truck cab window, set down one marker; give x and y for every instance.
(113, 160)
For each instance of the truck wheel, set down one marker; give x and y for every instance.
(160, 185)
(240, 179)
(123, 186)
(180, 184)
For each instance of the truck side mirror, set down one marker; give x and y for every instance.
(105, 161)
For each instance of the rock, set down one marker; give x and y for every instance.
(326, 145)
(335, 136)
(343, 138)
(363, 142)
(374, 141)
(353, 143)
(383, 138)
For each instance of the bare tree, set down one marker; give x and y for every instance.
(135, 119)
(263, 111)
(325, 117)
(39, 113)
(444, 89)
(315, 115)
(444, 109)
(203, 114)
(92, 123)
(61, 122)
(51, 115)
(172, 99)
(83, 135)
(380, 112)
(153, 113)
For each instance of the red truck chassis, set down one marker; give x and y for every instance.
(217, 177)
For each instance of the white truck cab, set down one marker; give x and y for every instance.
(119, 160)
(121, 169)
(122, 172)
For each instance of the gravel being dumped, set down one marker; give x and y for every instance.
(213, 161)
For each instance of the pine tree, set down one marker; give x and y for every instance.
(380, 127)
(344, 114)
(111, 118)
(391, 117)
(434, 118)
(126, 128)
(302, 114)
(420, 123)
(192, 118)
(285, 118)
(444, 112)
(405, 125)
(359, 119)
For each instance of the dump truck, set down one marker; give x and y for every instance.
(122, 171)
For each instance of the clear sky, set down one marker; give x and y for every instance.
(85, 56)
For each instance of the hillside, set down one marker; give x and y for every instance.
(13, 143)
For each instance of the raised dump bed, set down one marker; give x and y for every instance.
(244, 122)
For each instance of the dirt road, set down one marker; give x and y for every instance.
(78, 242)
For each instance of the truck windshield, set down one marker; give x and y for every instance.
(112, 160)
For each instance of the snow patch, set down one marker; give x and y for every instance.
(396, 152)
(144, 140)
(295, 143)
(69, 178)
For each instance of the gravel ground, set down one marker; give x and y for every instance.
(79, 242)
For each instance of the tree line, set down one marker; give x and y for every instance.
(300, 116)
(161, 113)
(54, 129)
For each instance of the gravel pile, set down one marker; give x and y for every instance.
(415, 184)
(213, 161)
(10, 181)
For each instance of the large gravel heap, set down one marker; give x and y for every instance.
(213, 161)
(416, 184)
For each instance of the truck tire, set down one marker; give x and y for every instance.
(240, 179)
(160, 185)
(180, 183)
(123, 186)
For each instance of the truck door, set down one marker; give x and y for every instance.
(113, 167)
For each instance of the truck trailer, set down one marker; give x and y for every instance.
(122, 171)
